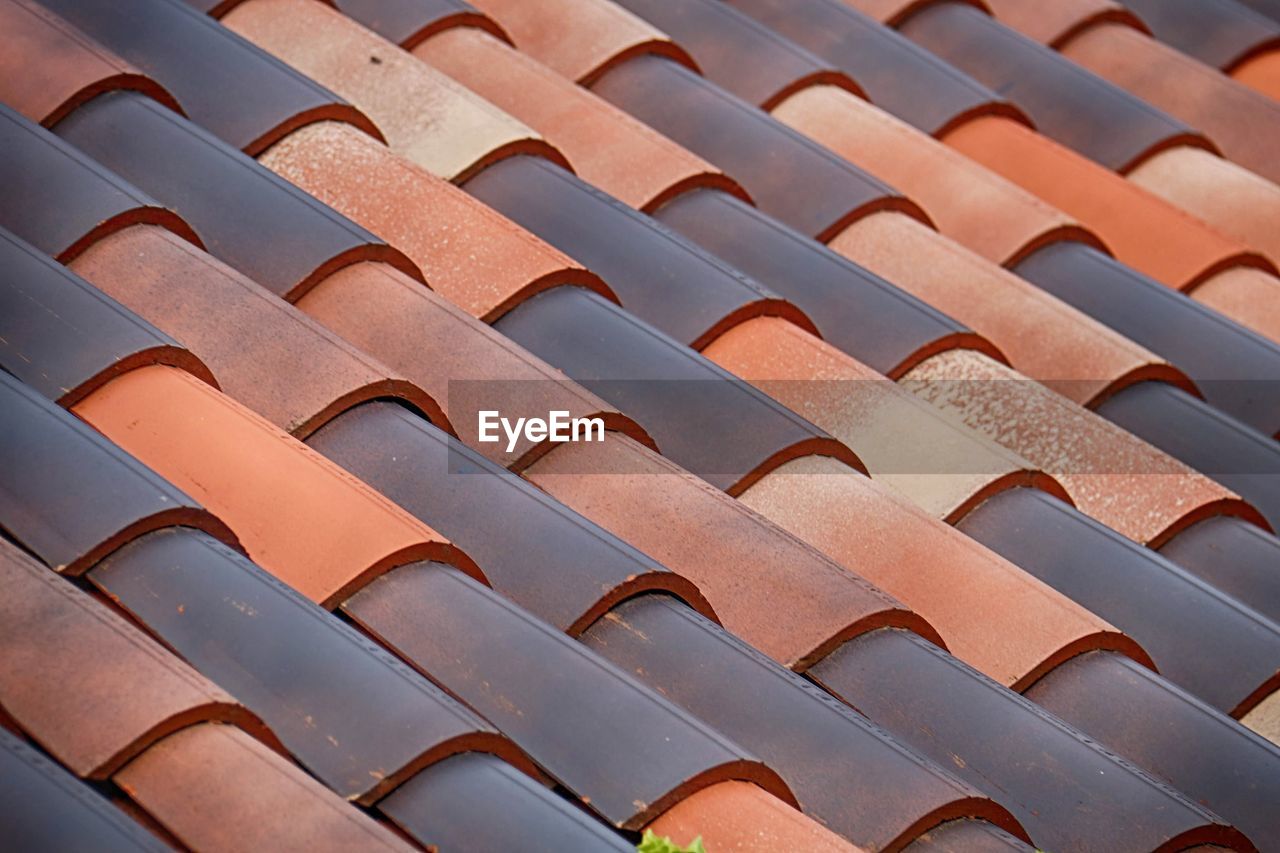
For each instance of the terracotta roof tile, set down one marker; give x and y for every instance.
(298, 515)
(71, 497)
(557, 701)
(1054, 24)
(843, 771)
(1219, 32)
(409, 22)
(223, 82)
(215, 788)
(423, 114)
(1234, 557)
(47, 808)
(1090, 796)
(969, 835)
(1251, 297)
(475, 801)
(65, 652)
(1262, 74)
(543, 556)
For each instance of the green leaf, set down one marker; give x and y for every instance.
(653, 843)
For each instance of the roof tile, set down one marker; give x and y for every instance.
(970, 835)
(409, 22)
(1262, 74)
(1219, 32)
(1055, 24)
(1251, 297)
(1235, 557)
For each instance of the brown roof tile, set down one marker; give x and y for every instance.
(1251, 297)
(1261, 73)
(301, 517)
(1219, 32)
(557, 701)
(65, 653)
(1235, 557)
(971, 836)
(409, 22)
(1055, 24)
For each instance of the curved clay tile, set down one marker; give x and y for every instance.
(1221, 33)
(90, 688)
(1266, 8)
(1237, 202)
(906, 80)
(424, 115)
(803, 606)
(1066, 102)
(214, 788)
(61, 201)
(1233, 367)
(460, 361)
(1038, 334)
(942, 467)
(1265, 719)
(473, 256)
(1237, 558)
(222, 82)
(740, 54)
(544, 557)
(265, 353)
(350, 713)
(659, 276)
(991, 613)
(46, 91)
(970, 835)
(852, 308)
(606, 146)
(476, 801)
(1199, 638)
(45, 313)
(1130, 709)
(1112, 476)
(71, 497)
(301, 517)
(845, 773)
(1142, 229)
(978, 209)
(1243, 123)
(789, 176)
(704, 419)
(1067, 791)
(260, 224)
(625, 751)
(1054, 24)
(411, 22)
(580, 39)
(714, 814)
(1251, 297)
(1262, 74)
(46, 808)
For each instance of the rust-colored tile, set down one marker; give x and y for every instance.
(460, 361)
(967, 836)
(45, 89)
(942, 467)
(1112, 476)
(1243, 123)
(424, 115)
(471, 255)
(61, 201)
(86, 685)
(845, 773)
(46, 808)
(351, 714)
(269, 230)
(991, 613)
(266, 354)
(789, 176)
(44, 312)
(704, 420)
(978, 209)
(1237, 202)
(804, 605)
(1069, 793)
(1066, 102)
(1261, 73)
(625, 751)
(410, 22)
(476, 801)
(1249, 296)
(1135, 712)
(216, 789)
(69, 496)
(906, 80)
(606, 147)
(1221, 33)
(853, 309)
(544, 557)
(1144, 230)
(1055, 24)
(255, 99)
(1235, 557)
(1265, 719)
(304, 519)
(1040, 336)
(603, 35)
(1200, 639)
(738, 817)
(659, 276)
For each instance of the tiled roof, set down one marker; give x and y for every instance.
(936, 348)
